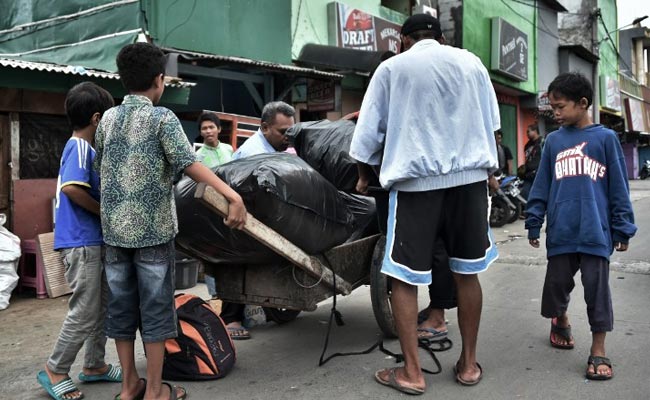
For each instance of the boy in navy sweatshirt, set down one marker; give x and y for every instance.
(582, 185)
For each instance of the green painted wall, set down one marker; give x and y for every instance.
(608, 65)
(257, 29)
(476, 37)
(309, 23)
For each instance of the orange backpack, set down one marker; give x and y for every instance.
(203, 349)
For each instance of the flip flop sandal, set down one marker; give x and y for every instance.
(564, 333)
(392, 382)
(172, 392)
(468, 383)
(60, 389)
(597, 361)
(238, 333)
(434, 334)
(113, 374)
(139, 395)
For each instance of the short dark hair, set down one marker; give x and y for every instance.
(83, 101)
(533, 127)
(573, 86)
(208, 116)
(138, 64)
(498, 132)
(274, 108)
(425, 34)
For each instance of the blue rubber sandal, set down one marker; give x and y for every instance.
(431, 334)
(113, 374)
(60, 389)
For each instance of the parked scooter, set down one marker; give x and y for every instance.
(645, 170)
(507, 202)
(503, 209)
(510, 186)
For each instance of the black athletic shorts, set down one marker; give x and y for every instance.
(458, 215)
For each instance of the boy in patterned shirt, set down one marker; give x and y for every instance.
(140, 148)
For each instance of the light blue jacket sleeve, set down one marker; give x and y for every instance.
(369, 135)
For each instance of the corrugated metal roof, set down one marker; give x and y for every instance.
(76, 70)
(256, 63)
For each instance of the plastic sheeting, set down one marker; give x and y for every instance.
(280, 190)
(325, 146)
(9, 256)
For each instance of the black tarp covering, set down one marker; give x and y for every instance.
(280, 190)
(325, 145)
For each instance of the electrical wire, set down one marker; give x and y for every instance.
(547, 8)
(551, 34)
(295, 30)
(182, 23)
(602, 21)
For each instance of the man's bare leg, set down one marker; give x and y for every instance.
(404, 303)
(470, 302)
(126, 355)
(155, 358)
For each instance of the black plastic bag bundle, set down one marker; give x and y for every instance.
(325, 146)
(364, 210)
(280, 190)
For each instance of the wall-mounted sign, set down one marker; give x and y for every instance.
(354, 29)
(543, 102)
(509, 50)
(635, 115)
(610, 93)
(321, 95)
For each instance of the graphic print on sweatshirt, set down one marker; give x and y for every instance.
(573, 162)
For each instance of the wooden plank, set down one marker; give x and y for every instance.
(15, 146)
(273, 240)
(53, 268)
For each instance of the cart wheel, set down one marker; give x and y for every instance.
(280, 315)
(380, 292)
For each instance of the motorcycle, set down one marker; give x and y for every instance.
(507, 202)
(645, 170)
(510, 186)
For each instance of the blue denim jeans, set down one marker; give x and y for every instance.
(141, 292)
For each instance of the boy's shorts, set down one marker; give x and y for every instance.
(458, 216)
(141, 284)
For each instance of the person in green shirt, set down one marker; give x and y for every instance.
(213, 153)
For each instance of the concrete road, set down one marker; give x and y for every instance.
(281, 362)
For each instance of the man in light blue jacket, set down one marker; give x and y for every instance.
(428, 118)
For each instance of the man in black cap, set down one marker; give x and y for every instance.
(428, 119)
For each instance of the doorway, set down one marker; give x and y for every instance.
(508, 114)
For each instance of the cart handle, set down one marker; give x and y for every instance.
(273, 240)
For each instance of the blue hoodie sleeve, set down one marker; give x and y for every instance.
(620, 206)
(538, 196)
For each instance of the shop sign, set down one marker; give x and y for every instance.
(352, 28)
(543, 102)
(321, 95)
(509, 50)
(635, 115)
(610, 93)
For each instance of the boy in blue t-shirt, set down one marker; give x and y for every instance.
(78, 236)
(582, 185)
